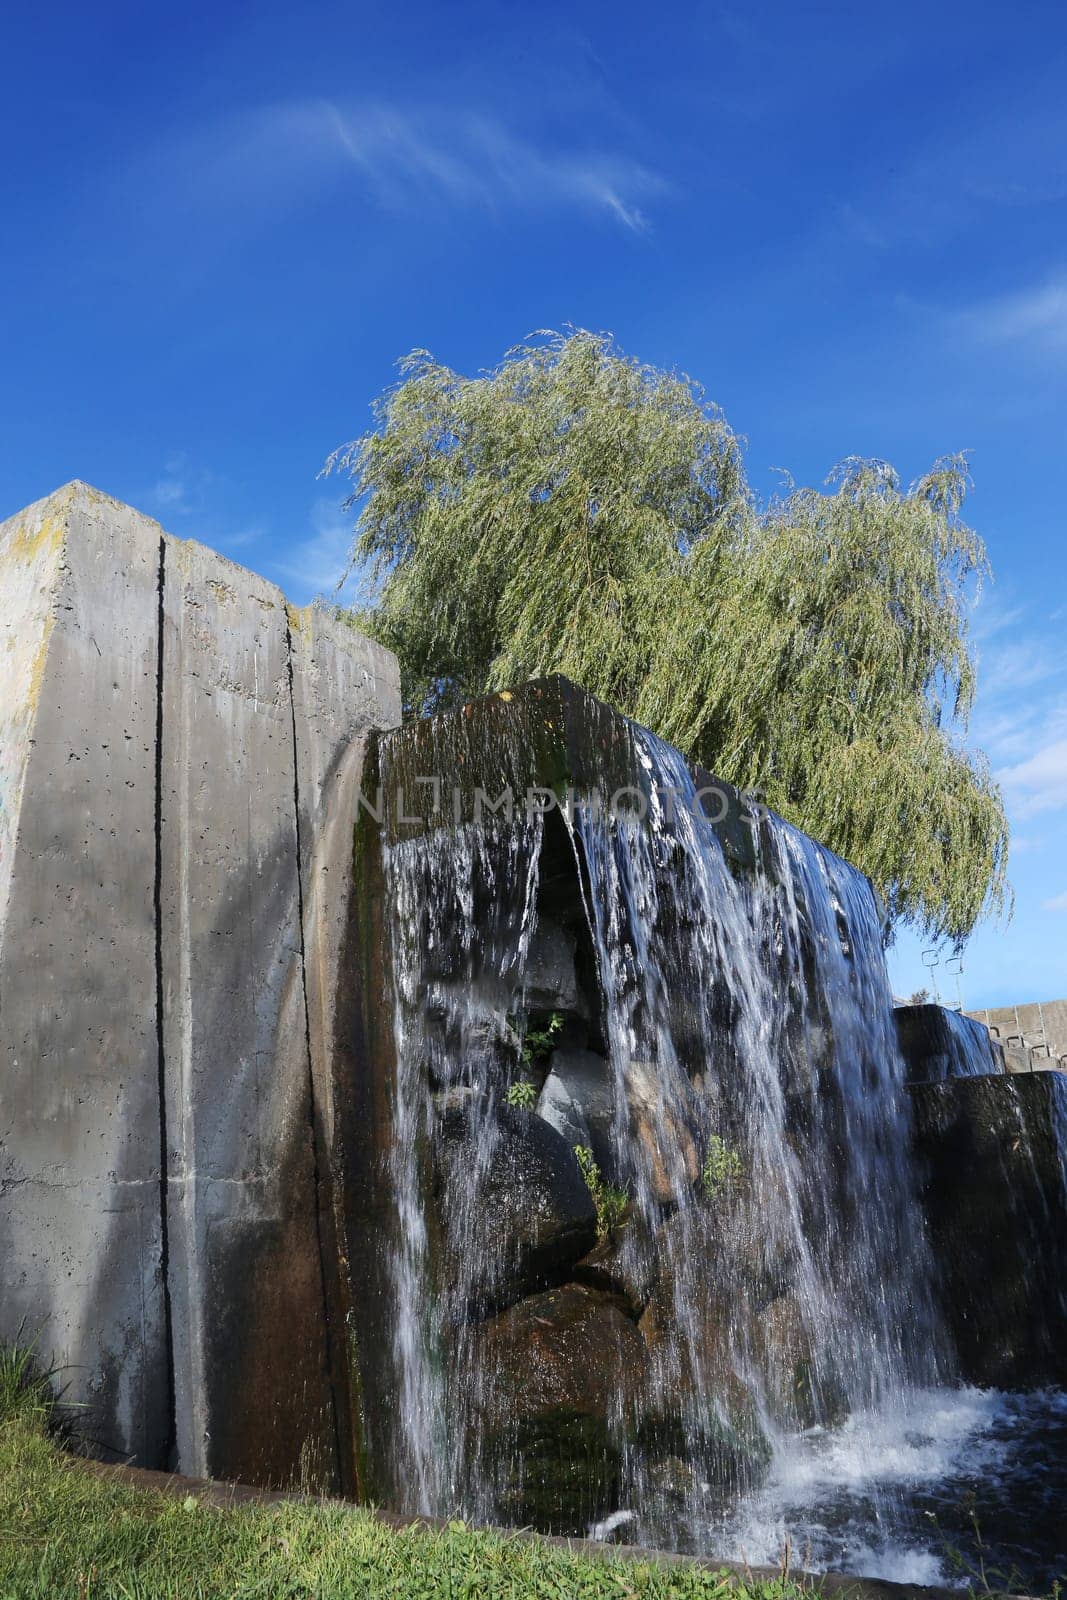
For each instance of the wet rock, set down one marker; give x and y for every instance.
(756, 1240)
(578, 1100)
(701, 1452)
(671, 1494)
(798, 1393)
(516, 1211)
(666, 1132)
(468, 1042)
(695, 1321)
(551, 975)
(689, 1260)
(626, 1264)
(460, 1097)
(562, 1371)
(995, 1194)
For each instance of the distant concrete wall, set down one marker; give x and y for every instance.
(1039, 1029)
(179, 758)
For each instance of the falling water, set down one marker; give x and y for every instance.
(462, 915)
(760, 1131)
(946, 1044)
(786, 1055)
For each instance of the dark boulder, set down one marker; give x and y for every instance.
(562, 1371)
(624, 1264)
(468, 1041)
(516, 1211)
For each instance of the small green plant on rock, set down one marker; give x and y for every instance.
(522, 1093)
(539, 1043)
(611, 1203)
(722, 1169)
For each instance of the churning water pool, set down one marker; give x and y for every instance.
(958, 1488)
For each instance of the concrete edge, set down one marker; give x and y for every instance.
(232, 1495)
(79, 495)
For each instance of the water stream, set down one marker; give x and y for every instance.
(798, 1386)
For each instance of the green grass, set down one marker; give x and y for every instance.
(65, 1531)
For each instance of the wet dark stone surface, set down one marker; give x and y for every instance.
(533, 1215)
(562, 1369)
(577, 1099)
(937, 1043)
(997, 1211)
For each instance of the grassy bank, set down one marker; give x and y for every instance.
(67, 1532)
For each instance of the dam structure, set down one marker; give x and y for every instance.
(494, 1115)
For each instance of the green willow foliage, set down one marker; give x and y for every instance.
(574, 511)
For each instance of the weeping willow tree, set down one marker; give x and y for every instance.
(575, 511)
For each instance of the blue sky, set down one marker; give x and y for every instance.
(219, 227)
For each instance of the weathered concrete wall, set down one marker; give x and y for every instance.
(187, 750)
(1038, 1031)
(79, 1066)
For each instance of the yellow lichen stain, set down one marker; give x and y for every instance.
(40, 659)
(34, 544)
(31, 541)
(297, 617)
(222, 591)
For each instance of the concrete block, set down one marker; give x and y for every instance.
(1039, 1029)
(179, 758)
(80, 1244)
(993, 1152)
(939, 1043)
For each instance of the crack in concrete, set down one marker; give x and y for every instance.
(316, 1158)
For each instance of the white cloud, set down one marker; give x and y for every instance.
(1036, 315)
(401, 159)
(990, 617)
(183, 489)
(1008, 668)
(1040, 782)
(169, 492)
(1057, 903)
(1021, 709)
(317, 564)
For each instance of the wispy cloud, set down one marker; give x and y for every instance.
(992, 616)
(316, 564)
(1057, 903)
(169, 492)
(1034, 315)
(1040, 782)
(401, 159)
(1021, 711)
(1022, 686)
(1021, 664)
(182, 489)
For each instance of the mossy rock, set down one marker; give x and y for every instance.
(563, 1372)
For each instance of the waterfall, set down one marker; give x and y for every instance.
(789, 1060)
(939, 1044)
(462, 908)
(770, 1276)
